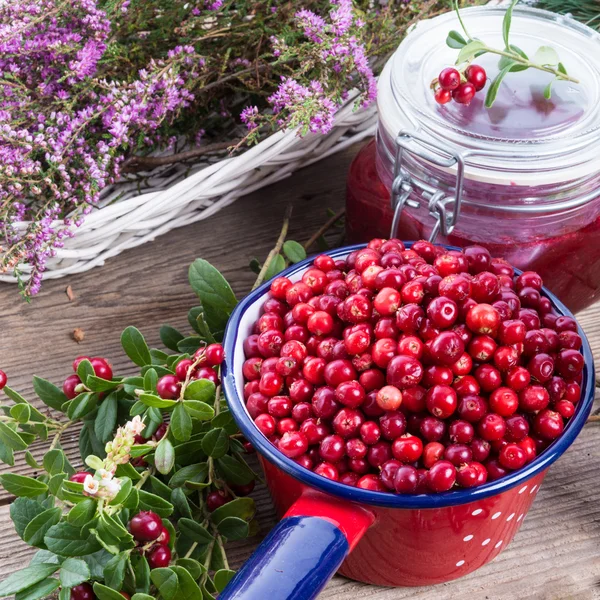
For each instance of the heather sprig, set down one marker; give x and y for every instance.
(90, 88)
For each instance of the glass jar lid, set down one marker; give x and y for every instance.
(523, 137)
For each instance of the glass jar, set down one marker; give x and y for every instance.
(521, 178)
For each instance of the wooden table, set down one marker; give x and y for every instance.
(555, 555)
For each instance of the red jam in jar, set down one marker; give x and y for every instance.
(530, 166)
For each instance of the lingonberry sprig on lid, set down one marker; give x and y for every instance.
(463, 82)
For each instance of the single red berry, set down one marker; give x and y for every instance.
(504, 401)
(164, 537)
(78, 360)
(471, 474)
(533, 398)
(327, 470)
(71, 382)
(146, 526)
(464, 93)
(492, 427)
(461, 432)
(406, 480)
(480, 449)
(441, 476)
(347, 422)
(101, 368)
(441, 401)
(293, 444)
(183, 366)
(449, 78)
(214, 355)
(565, 408)
(159, 556)
(517, 428)
(483, 319)
(477, 76)
(217, 499)
(432, 452)
(3, 379)
(168, 387)
(404, 372)
(389, 397)
(83, 591)
(512, 457)
(548, 424)
(407, 448)
(442, 96)
(371, 483)
(472, 408)
(161, 431)
(79, 477)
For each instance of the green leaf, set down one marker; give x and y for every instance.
(55, 483)
(11, 438)
(159, 488)
(94, 462)
(455, 40)
(195, 531)
(181, 504)
(469, 51)
(294, 251)
(142, 597)
(190, 344)
(20, 485)
(73, 572)
(216, 443)
(37, 528)
(40, 590)
(97, 563)
(82, 513)
(89, 443)
(114, 572)
(242, 508)
(493, 89)
(150, 381)
(22, 511)
(67, 540)
(200, 389)
(254, 266)
(222, 578)
(276, 265)
(97, 384)
(233, 528)
(197, 472)
(149, 501)
(105, 593)
(201, 325)
(14, 395)
(210, 286)
(169, 336)
(562, 69)
(167, 583)
(21, 580)
(506, 23)
(548, 90)
(546, 56)
(135, 346)
(141, 571)
(132, 501)
(156, 401)
(54, 461)
(30, 460)
(515, 67)
(181, 423)
(48, 393)
(128, 470)
(126, 487)
(235, 471)
(105, 422)
(43, 556)
(21, 412)
(225, 420)
(64, 594)
(199, 410)
(85, 370)
(187, 588)
(164, 457)
(114, 526)
(195, 568)
(82, 405)
(158, 356)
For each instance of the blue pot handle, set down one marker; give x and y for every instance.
(303, 552)
(295, 561)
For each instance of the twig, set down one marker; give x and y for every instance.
(276, 249)
(147, 163)
(330, 223)
(593, 419)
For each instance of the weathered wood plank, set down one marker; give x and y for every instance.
(555, 555)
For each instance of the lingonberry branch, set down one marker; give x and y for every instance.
(275, 251)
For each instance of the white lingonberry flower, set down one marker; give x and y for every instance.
(136, 425)
(109, 488)
(91, 486)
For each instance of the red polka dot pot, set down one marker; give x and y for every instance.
(375, 537)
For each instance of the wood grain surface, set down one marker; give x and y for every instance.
(555, 555)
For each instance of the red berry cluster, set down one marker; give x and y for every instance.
(411, 370)
(205, 359)
(451, 85)
(149, 532)
(101, 367)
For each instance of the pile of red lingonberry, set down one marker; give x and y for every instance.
(452, 85)
(411, 370)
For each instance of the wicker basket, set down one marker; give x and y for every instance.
(180, 195)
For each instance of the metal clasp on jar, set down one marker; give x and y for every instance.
(445, 209)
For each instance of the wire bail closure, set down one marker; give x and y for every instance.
(445, 209)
